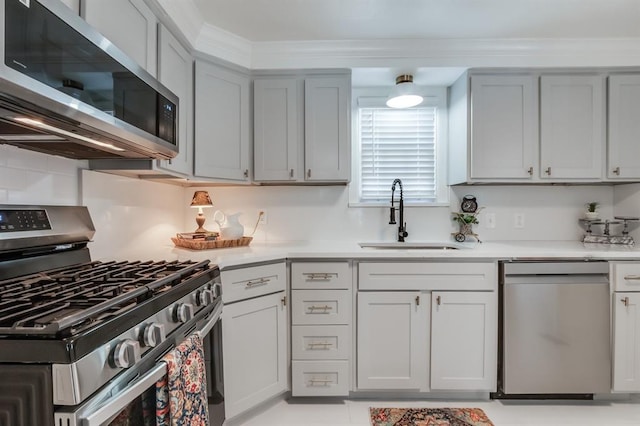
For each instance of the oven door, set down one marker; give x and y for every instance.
(130, 399)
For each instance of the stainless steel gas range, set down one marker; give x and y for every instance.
(80, 340)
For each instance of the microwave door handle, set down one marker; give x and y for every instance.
(215, 316)
(119, 402)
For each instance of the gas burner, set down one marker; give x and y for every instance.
(67, 300)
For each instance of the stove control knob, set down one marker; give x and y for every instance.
(125, 354)
(153, 335)
(183, 312)
(204, 297)
(217, 290)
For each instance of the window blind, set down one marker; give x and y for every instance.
(398, 143)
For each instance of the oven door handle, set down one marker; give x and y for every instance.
(215, 316)
(133, 391)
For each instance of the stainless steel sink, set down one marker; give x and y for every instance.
(412, 245)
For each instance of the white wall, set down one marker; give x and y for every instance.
(322, 213)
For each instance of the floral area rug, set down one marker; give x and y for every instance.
(429, 417)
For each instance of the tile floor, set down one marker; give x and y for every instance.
(310, 412)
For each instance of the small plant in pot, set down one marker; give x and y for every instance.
(592, 211)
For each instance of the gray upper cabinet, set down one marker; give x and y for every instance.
(624, 127)
(129, 24)
(572, 124)
(277, 129)
(302, 127)
(175, 71)
(527, 126)
(221, 148)
(504, 127)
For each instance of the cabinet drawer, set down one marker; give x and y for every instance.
(311, 307)
(428, 276)
(239, 284)
(320, 378)
(320, 342)
(625, 276)
(320, 275)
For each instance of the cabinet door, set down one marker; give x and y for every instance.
(393, 340)
(624, 127)
(221, 123)
(275, 132)
(129, 24)
(626, 342)
(327, 128)
(463, 340)
(254, 352)
(571, 127)
(504, 127)
(175, 70)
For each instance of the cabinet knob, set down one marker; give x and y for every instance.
(616, 171)
(548, 171)
(530, 171)
(625, 301)
(284, 301)
(246, 173)
(438, 300)
(417, 300)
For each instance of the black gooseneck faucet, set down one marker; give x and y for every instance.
(402, 227)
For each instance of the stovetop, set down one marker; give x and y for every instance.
(67, 301)
(59, 315)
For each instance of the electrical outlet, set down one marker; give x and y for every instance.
(263, 217)
(518, 220)
(490, 221)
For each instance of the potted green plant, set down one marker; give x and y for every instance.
(592, 210)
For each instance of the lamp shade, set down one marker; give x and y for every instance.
(404, 94)
(201, 199)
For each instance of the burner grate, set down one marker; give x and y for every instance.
(64, 300)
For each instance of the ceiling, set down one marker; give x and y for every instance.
(296, 20)
(409, 22)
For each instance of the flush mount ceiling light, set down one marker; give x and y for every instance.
(404, 93)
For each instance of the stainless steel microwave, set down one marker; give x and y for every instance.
(67, 90)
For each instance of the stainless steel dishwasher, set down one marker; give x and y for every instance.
(555, 333)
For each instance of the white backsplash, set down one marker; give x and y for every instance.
(28, 177)
(322, 213)
(130, 214)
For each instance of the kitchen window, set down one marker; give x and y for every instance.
(409, 144)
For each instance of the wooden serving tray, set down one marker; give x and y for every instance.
(210, 244)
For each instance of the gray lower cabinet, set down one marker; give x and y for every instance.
(302, 127)
(321, 328)
(254, 335)
(222, 148)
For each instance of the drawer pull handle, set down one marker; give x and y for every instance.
(317, 276)
(284, 301)
(625, 301)
(261, 281)
(322, 382)
(632, 277)
(323, 345)
(616, 171)
(530, 171)
(438, 300)
(548, 171)
(324, 308)
(417, 300)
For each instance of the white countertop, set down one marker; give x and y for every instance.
(493, 250)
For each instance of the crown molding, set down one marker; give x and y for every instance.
(419, 52)
(182, 15)
(224, 45)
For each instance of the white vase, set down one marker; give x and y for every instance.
(591, 215)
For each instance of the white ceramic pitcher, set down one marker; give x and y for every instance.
(230, 228)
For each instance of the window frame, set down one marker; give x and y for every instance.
(375, 97)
